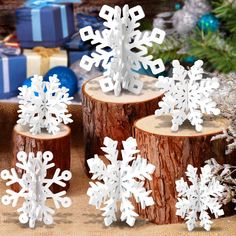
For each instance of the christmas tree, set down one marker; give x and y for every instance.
(200, 30)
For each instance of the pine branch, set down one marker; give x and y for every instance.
(168, 50)
(226, 11)
(219, 54)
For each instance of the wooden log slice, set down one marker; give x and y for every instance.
(108, 115)
(58, 144)
(171, 152)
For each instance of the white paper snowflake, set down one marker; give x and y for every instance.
(120, 180)
(187, 95)
(122, 49)
(194, 201)
(44, 105)
(35, 188)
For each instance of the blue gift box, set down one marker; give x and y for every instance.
(12, 74)
(49, 26)
(75, 56)
(76, 43)
(86, 20)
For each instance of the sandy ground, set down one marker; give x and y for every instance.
(83, 219)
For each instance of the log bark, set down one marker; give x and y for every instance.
(108, 115)
(171, 153)
(58, 144)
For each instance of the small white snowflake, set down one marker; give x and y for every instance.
(44, 105)
(122, 49)
(187, 95)
(120, 180)
(194, 201)
(35, 188)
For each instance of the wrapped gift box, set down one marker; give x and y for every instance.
(12, 74)
(75, 56)
(40, 60)
(87, 20)
(77, 44)
(49, 26)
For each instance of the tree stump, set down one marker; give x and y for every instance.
(171, 152)
(108, 115)
(58, 144)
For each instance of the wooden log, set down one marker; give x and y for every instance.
(108, 115)
(58, 144)
(171, 152)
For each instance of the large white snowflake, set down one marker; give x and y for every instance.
(44, 105)
(194, 201)
(187, 95)
(120, 180)
(35, 188)
(122, 49)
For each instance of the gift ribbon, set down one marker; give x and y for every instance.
(45, 54)
(33, 3)
(5, 51)
(10, 41)
(6, 77)
(36, 5)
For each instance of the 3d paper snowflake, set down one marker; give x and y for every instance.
(195, 200)
(35, 188)
(122, 49)
(187, 95)
(44, 105)
(120, 180)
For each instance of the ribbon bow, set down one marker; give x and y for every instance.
(44, 3)
(40, 3)
(46, 52)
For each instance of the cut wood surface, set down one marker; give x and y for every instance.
(58, 144)
(171, 152)
(108, 115)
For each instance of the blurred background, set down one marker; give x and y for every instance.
(196, 28)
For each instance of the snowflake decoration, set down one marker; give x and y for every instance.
(187, 95)
(203, 194)
(225, 174)
(44, 105)
(120, 181)
(122, 49)
(35, 188)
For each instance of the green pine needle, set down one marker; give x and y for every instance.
(218, 53)
(168, 50)
(225, 10)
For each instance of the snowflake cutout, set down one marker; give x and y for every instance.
(204, 193)
(187, 95)
(35, 188)
(120, 180)
(44, 105)
(122, 49)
